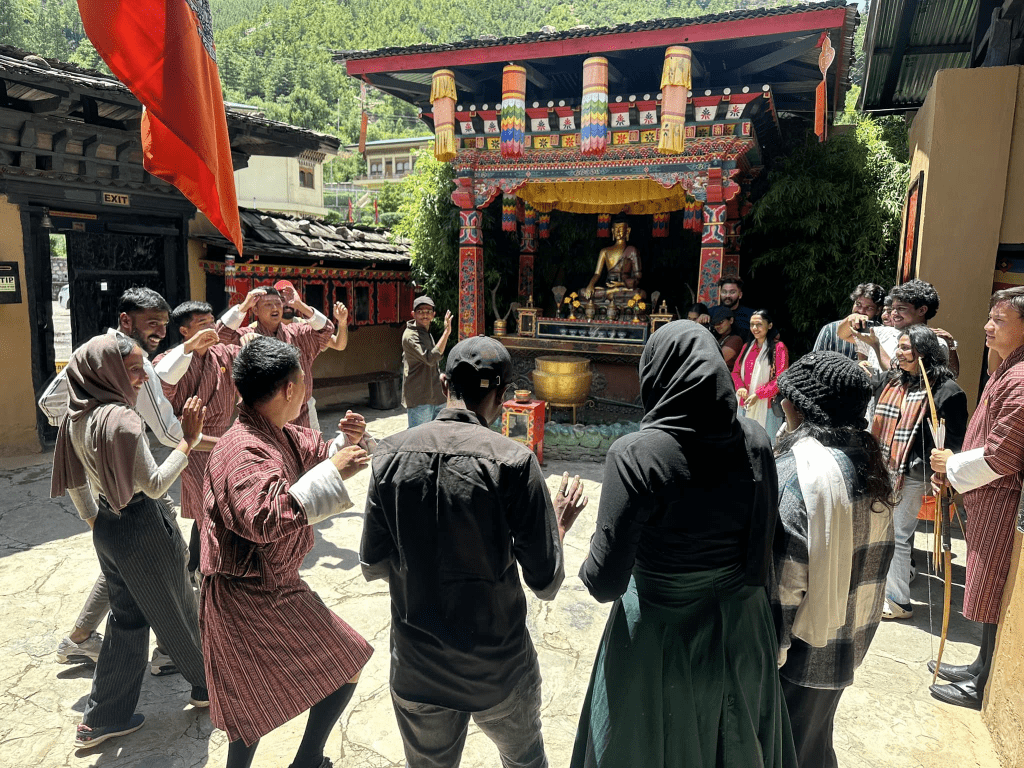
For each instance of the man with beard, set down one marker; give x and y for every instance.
(913, 302)
(310, 338)
(730, 293)
(142, 314)
(867, 300)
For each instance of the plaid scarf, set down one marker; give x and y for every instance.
(898, 417)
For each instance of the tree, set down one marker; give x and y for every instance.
(829, 219)
(430, 220)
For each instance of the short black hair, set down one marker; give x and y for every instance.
(872, 291)
(738, 281)
(1012, 296)
(182, 314)
(263, 366)
(699, 308)
(269, 290)
(918, 294)
(141, 299)
(464, 385)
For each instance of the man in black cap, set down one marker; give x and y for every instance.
(421, 388)
(452, 507)
(722, 319)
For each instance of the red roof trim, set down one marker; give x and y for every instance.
(828, 18)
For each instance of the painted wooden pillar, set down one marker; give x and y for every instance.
(527, 253)
(719, 249)
(712, 252)
(471, 274)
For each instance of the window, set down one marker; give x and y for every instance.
(402, 166)
(307, 179)
(314, 296)
(362, 308)
(376, 169)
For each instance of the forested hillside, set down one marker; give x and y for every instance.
(276, 54)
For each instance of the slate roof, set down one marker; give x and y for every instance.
(33, 78)
(307, 238)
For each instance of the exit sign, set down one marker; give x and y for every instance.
(10, 283)
(115, 198)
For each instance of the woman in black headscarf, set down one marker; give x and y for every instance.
(686, 671)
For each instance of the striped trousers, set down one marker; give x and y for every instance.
(142, 555)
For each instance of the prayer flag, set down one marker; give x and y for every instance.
(163, 51)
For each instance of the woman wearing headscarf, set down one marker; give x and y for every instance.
(686, 671)
(102, 452)
(900, 428)
(832, 546)
(755, 373)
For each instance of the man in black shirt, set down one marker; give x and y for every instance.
(451, 508)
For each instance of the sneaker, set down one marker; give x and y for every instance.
(913, 571)
(87, 651)
(893, 610)
(162, 664)
(87, 738)
(199, 697)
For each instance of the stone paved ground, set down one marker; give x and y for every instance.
(47, 565)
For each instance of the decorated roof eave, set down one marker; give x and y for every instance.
(623, 37)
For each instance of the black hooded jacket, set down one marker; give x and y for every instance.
(696, 488)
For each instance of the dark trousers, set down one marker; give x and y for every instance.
(143, 556)
(812, 713)
(435, 736)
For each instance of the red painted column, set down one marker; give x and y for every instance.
(471, 274)
(712, 251)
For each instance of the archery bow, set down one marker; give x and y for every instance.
(942, 503)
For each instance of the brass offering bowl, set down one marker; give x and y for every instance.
(562, 379)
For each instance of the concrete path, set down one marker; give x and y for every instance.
(47, 565)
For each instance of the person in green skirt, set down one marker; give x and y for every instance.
(686, 671)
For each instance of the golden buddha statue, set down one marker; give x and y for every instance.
(622, 262)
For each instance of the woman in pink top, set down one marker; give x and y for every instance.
(757, 370)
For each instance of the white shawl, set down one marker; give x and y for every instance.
(760, 375)
(829, 543)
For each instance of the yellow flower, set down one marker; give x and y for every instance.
(576, 303)
(567, 300)
(631, 303)
(642, 305)
(636, 297)
(574, 294)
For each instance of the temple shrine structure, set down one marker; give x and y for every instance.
(642, 120)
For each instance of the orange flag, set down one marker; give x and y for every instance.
(163, 51)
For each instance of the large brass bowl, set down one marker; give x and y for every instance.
(562, 379)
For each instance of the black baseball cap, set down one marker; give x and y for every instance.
(718, 314)
(481, 362)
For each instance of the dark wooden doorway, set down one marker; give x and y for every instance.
(100, 268)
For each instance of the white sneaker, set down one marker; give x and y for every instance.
(162, 664)
(88, 650)
(893, 610)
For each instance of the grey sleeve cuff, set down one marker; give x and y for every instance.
(549, 592)
(321, 492)
(84, 502)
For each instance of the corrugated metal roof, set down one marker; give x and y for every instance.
(908, 42)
